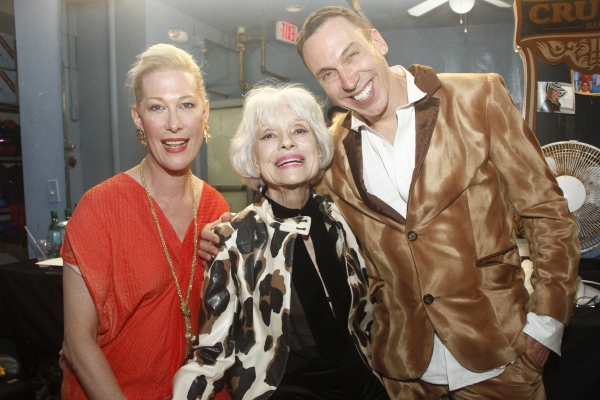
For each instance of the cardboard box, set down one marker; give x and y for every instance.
(8, 56)
(8, 87)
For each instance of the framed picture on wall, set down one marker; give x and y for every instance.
(586, 84)
(556, 97)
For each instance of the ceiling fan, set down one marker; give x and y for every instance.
(458, 6)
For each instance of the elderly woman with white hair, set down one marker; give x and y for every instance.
(285, 305)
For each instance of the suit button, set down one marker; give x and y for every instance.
(428, 299)
(412, 236)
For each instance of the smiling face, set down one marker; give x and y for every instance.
(352, 69)
(171, 112)
(554, 94)
(585, 86)
(287, 157)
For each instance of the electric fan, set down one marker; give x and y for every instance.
(576, 166)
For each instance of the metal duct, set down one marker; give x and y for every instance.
(242, 39)
(114, 93)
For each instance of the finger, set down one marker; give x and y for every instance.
(226, 217)
(543, 354)
(208, 235)
(207, 246)
(205, 256)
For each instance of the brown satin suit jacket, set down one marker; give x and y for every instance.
(452, 266)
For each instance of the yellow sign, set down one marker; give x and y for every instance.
(566, 31)
(555, 32)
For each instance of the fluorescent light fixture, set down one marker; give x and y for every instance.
(294, 8)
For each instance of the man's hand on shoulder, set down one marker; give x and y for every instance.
(208, 244)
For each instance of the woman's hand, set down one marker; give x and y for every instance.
(208, 248)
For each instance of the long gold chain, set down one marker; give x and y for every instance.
(185, 309)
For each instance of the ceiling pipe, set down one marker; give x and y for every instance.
(114, 93)
(242, 39)
(358, 9)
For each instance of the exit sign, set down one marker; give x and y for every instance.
(286, 32)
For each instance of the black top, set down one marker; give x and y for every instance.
(323, 361)
(317, 331)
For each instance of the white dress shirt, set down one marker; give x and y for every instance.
(387, 173)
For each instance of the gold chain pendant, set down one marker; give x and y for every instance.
(189, 333)
(190, 338)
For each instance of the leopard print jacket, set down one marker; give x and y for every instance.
(245, 317)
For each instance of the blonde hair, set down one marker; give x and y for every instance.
(162, 57)
(262, 106)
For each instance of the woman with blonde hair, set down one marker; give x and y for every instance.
(132, 277)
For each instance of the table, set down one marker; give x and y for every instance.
(31, 305)
(576, 374)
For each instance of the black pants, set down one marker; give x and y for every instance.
(329, 380)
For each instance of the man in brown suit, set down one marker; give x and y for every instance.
(427, 169)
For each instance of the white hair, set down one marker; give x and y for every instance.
(262, 106)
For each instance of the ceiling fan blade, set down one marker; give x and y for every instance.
(499, 3)
(425, 6)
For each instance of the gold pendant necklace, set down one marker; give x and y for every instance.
(185, 309)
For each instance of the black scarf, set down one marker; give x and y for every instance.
(329, 331)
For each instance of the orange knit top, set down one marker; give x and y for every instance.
(113, 240)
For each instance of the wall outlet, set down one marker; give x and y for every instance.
(53, 190)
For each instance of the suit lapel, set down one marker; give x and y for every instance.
(353, 145)
(426, 112)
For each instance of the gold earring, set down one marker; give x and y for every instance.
(141, 138)
(206, 131)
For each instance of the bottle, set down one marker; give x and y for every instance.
(62, 225)
(53, 237)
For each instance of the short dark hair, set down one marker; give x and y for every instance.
(334, 109)
(322, 15)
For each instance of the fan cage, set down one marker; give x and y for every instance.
(581, 161)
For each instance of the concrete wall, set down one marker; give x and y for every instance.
(92, 19)
(485, 48)
(37, 25)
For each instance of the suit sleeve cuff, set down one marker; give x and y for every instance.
(545, 330)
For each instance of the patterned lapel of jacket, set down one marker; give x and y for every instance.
(349, 249)
(282, 228)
